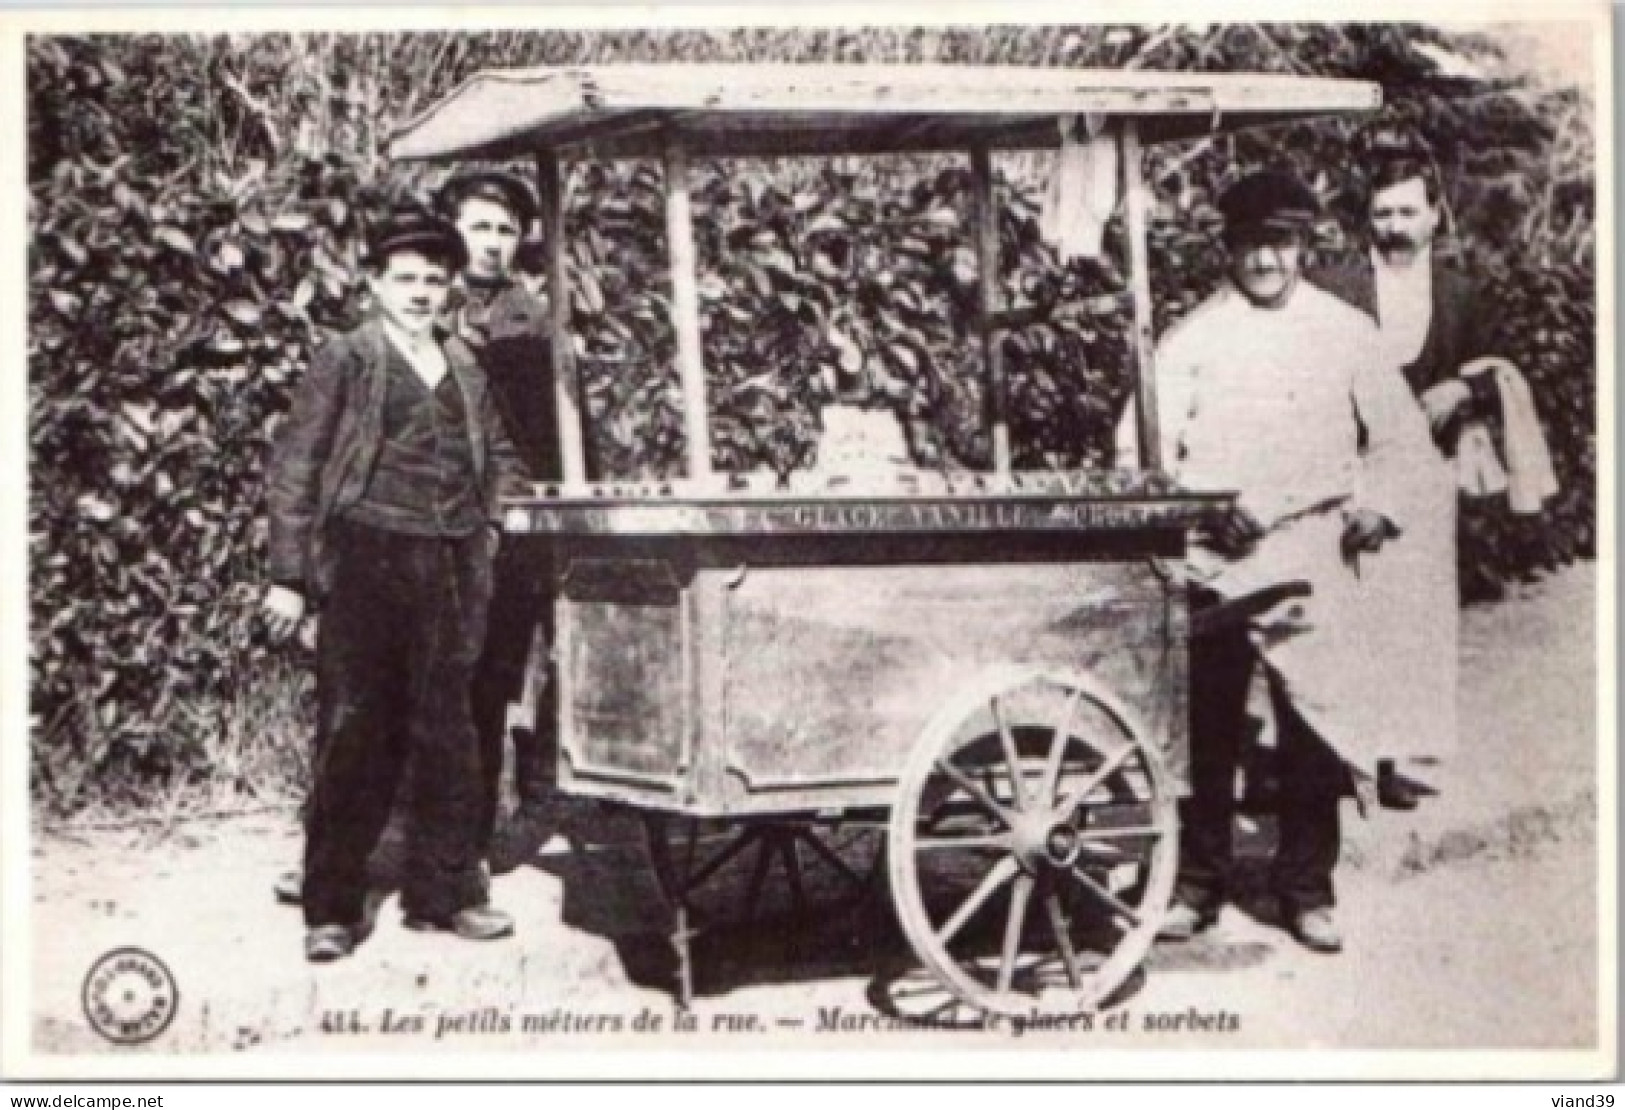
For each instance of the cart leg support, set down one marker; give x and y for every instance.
(682, 937)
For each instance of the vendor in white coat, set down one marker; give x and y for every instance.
(1275, 390)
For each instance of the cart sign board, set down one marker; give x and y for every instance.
(859, 516)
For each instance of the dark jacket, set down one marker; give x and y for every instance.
(326, 450)
(510, 333)
(1457, 330)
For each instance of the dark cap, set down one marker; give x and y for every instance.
(497, 186)
(1391, 141)
(1271, 199)
(415, 231)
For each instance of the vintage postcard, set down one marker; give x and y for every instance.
(822, 542)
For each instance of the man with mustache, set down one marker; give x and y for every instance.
(1268, 388)
(1432, 322)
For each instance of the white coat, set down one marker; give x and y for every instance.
(1292, 409)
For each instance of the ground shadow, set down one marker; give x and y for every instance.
(598, 854)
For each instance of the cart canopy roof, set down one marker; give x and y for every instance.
(788, 109)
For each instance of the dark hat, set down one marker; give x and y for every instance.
(1393, 141)
(415, 231)
(498, 186)
(1272, 199)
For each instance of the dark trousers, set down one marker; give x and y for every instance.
(1312, 780)
(400, 632)
(521, 605)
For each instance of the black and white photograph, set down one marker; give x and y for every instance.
(557, 538)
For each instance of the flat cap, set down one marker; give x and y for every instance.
(498, 186)
(1273, 199)
(1391, 141)
(411, 230)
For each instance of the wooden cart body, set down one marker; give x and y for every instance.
(741, 657)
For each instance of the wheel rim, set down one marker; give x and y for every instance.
(1033, 845)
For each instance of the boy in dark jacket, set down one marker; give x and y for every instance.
(509, 330)
(383, 501)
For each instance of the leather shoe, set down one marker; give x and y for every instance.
(1393, 790)
(473, 923)
(326, 943)
(1317, 931)
(1184, 922)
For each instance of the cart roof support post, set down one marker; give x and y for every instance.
(1136, 197)
(985, 229)
(685, 307)
(566, 383)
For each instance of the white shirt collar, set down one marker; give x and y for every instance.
(1404, 305)
(422, 353)
(1421, 264)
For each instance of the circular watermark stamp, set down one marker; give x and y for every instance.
(129, 996)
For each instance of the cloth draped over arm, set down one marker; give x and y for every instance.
(1527, 476)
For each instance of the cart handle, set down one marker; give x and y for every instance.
(1239, 610)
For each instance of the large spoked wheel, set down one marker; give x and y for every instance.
(1033, 845)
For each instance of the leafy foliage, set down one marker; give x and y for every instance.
(196, 207)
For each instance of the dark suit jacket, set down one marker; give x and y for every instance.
(510, 333)
(326, 449)
(1457, 330)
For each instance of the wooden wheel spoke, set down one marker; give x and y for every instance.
(1113, 763)
(1107, 855)
(1063, 940)
(976, 791)
(989, 774)
(1020, 894)
(1118, 834)
(1106, 896)
(1012, 758)
(977, 842)
(1057, 750)
(1001, 873)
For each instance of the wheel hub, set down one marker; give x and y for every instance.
(1046, 840)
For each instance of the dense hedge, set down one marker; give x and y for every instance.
(195, 209)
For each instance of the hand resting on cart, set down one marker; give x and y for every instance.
(1233, 533)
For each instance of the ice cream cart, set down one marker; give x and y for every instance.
(989, 665)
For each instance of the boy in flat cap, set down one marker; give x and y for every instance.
(382, 501)
(1272, 388)
(509, 331)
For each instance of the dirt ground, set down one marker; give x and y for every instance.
(1470, 923)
